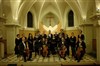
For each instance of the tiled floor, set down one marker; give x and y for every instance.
(52, 58)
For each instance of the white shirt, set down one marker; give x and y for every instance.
(24, 45)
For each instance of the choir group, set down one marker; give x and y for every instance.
(47, 44)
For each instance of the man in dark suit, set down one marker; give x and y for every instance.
(22, 47)
(38, 43)
(67, 44)
(50, 36)
(73, 44)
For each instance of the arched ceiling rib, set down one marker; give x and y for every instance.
(50, 7)
(83, 5)
(74, 6)
(80, 7)
(23, 9)
(62, 6)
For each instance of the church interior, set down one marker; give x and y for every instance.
(30, 16)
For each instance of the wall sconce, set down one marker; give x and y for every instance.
(98, 10)
(84, 18)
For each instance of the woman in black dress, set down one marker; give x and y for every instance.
(17, 42)
(30, 44)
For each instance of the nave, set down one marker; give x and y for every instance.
(29, 16)
(12, 60)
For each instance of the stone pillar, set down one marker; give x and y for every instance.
(11, 31)
(1, 50)
(1, 8)
(96, 21)
(88, 32)
(98, 42)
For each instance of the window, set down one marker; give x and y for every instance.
(29, 20)
(70, 19)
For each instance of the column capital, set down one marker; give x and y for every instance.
(12, 24)
(82, 25)
(95, 16)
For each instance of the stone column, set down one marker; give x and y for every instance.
(0, 8)
(88, 32)
(11, 31)
(1, 50)
(98, 42)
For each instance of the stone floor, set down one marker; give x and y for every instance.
(52, 59)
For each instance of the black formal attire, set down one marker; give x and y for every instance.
(38, 44)
(17, 42)
(67, 44)
(30, 45)
(49, 37)
(73, 45)
(23, 47)
(56, 39)
(81, 36)
(44, 36)
(53, 46)
(59, 42)
(82, 52)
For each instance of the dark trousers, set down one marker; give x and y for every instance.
(67, 52)
(48, 51)
(36, 51)
(30, 55)
(24, 56)
(73, 51)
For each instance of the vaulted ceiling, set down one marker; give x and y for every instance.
(19, 8)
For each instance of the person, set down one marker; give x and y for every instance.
(53, 45)
(73, 44)
(81, 35)
(44, 35)
(30, 44)
(62, 51)
(38, 43)
(59, 41)
(44, 42)
(23, 47)
(44, 50)
(56, 41)
(23, 35)
(61, 32)
(49, 38)
(17, 42)
(81, 46)
(67, 44)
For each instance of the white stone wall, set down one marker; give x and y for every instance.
(0, 8)
(98, 43)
